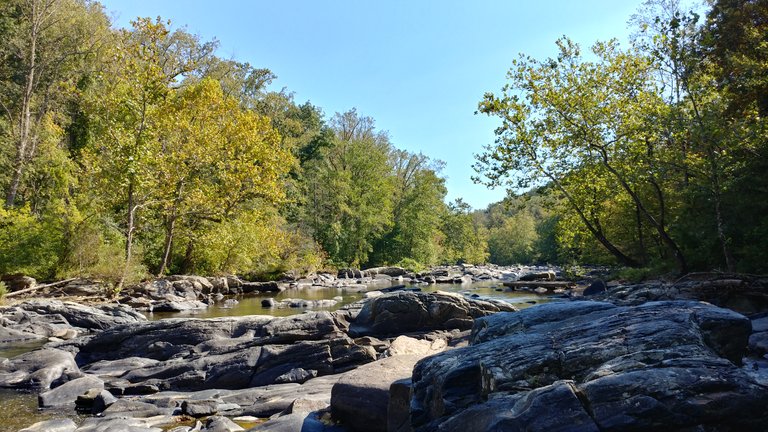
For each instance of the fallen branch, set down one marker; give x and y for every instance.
(39, 287)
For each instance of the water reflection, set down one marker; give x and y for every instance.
(251, 304)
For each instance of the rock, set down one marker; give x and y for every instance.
(56, 425)
(178, 305)
(297, 375)
(595, 287)
(268, 303)
(388, 271)
(372, 294)
(251, 287)
(224, 353)
(741, 293)
(221, 424)
(229, 303)
(63, 320)
(360, 398)
(38, 369)
(125, 424)
(200, 408)
(538, 276)
(67, 393)
(398, 407)
(403, 312)
(657, 366)
(18, 281)
(96, 404)
(758, 343)
(405, 345)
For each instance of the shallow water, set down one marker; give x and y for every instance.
(251, 304)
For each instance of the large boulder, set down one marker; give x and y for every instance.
(657, 366)
(360, 398)
(225, 353)
(406, 311)
(37, 319)
(38, 370)
(743, 293)
(66, 394)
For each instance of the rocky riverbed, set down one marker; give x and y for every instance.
(624, 357)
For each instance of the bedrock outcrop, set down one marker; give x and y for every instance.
(595, 366)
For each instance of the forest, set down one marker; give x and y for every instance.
(133, 152)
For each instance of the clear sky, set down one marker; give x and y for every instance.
(418, 67)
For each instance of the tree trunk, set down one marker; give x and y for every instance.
(170, 224)
(596, 232)
(682, 265)
(128, 238)
(26, 111)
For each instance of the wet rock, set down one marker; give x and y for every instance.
(658, 366)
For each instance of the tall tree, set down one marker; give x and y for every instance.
(48, 44)
(350, 189)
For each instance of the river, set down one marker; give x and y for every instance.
(19, 409)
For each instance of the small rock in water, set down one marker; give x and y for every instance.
(268, 303)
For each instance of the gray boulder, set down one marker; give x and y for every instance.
(360, 398)
(38, 369)
(66, 394)
(403, 312)
(658, 366)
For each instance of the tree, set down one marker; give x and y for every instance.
(223, 157)
(584, 127)
(350, 189)
(126, 106)
(464, 239)
(50, 43)
(418, 204)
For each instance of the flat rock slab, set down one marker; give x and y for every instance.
(360, 398)
(671, 365)
(56, 425)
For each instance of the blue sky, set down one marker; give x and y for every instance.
(417, 67)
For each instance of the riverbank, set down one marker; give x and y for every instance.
(623, 357)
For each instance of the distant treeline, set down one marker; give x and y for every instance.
(128, 152)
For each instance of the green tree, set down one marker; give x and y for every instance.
(583, 126)
(464, 238)
(350, 190)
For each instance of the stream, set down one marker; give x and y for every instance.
(18, 409)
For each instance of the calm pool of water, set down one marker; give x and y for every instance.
(251, 304)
